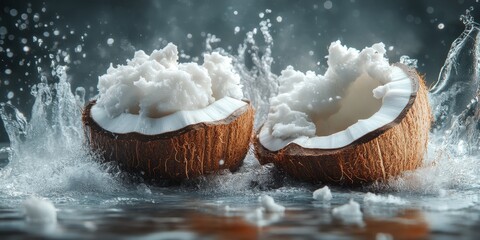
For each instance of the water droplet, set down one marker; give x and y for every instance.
(430, 10)
(3, 30)
(310, 53)
(279, 19)
(189, 36)
(24, 16)
(261, 15)
(390, 48)
(56, 32)
(221, 162)
(13, 12)
(8, 71)
(10, 95)
(110, 41)
(36, 17)
(46, 34)
(328, 5)
(237, 29)
(441, 26)
(78, 48)
(235, 12)
(26, 48)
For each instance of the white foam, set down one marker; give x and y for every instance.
(323, 194)
(269, 204)
(39, 210)
(347, 211)
(389, 199)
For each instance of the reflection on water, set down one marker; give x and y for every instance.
(47, 158)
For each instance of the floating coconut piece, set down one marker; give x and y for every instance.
(167, 120)
(371, 121)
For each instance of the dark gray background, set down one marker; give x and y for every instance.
(411, 27)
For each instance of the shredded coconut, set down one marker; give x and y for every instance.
(157, 85)
(322, 194)
(305, 99)
(269, 204)
(349, 210)
(39, 210)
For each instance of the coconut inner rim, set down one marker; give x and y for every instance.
(128, 123)
(394, 97)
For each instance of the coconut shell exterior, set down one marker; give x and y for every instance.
(189, 152)
(377, 156)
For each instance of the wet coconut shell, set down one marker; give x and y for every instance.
(189, 152)
(378, 155)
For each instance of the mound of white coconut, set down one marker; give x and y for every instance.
(364, 120)
(172, 120)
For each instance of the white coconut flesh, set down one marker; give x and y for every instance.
(128, 123)
(154, 94)
(359, 94)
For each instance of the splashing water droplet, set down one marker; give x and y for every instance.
(411, 62)
(78, 48)
(110, 41)
(328, 5)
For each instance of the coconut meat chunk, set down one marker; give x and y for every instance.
(362, 93)
(127, 122)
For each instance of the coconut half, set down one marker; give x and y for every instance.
(183, 145)
(170, 120)
(376, 128)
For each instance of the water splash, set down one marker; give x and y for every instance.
(47, 155)
(458, 82)
(455, 95)
(260, 84)
(253, 62)
(452, 160)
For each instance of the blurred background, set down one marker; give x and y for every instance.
(90, 35)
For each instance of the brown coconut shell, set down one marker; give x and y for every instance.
(378, 155)
(189, 152)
